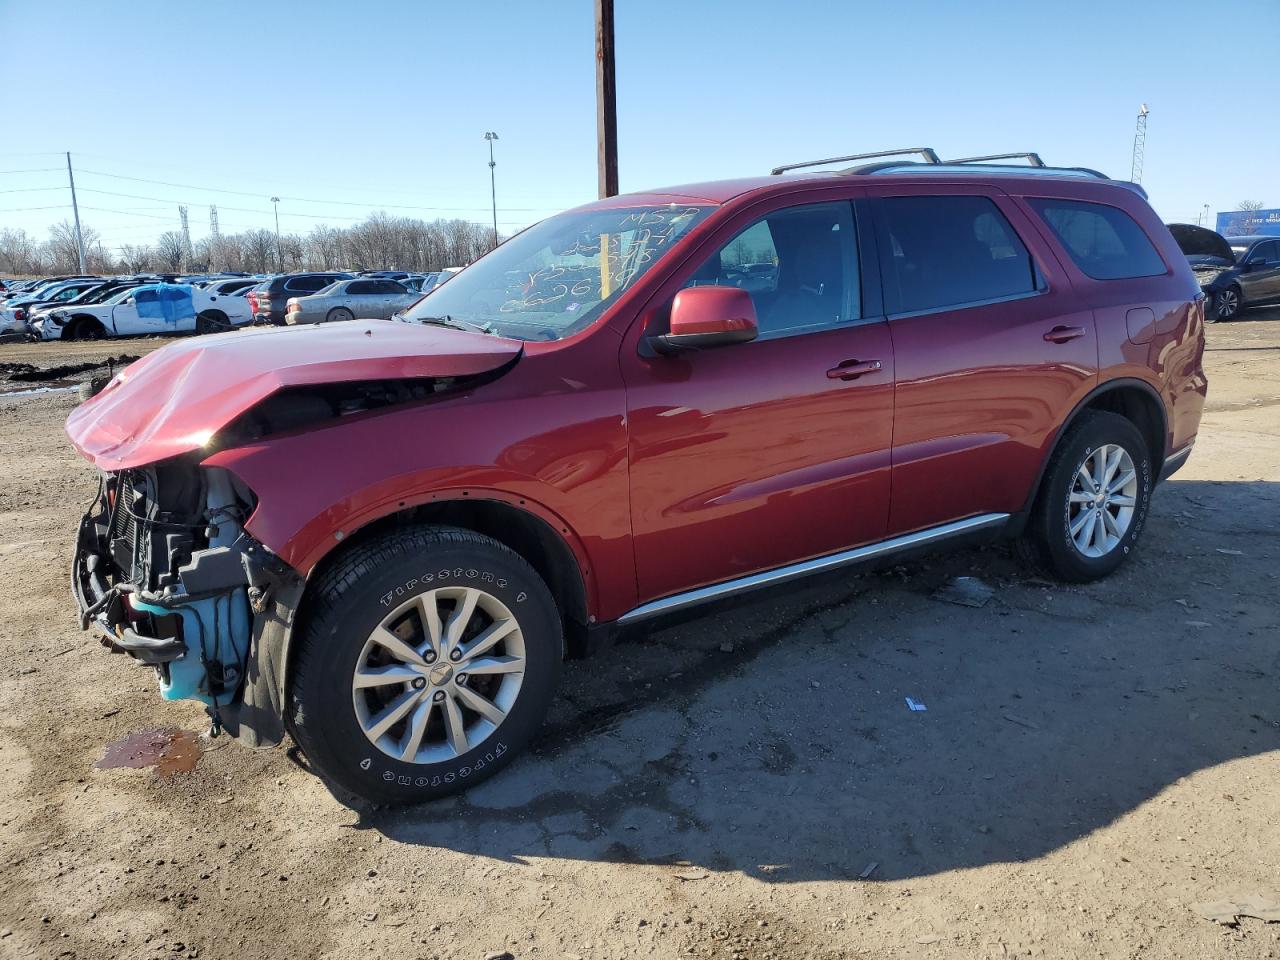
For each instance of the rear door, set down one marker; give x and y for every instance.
(991, 350)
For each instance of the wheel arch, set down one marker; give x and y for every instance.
(544, 541)
(1135, 400)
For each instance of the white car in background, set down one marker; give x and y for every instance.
(150, 310)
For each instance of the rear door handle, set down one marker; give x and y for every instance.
(852, 369)
(1061, 334)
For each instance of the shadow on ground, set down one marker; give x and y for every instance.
(772, 736)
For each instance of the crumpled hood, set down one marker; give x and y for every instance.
(173, 400)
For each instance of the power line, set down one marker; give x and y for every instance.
(345, 203)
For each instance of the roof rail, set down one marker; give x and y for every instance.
(1032, 158)
(928, 153)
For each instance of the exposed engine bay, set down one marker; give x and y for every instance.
(165, 573)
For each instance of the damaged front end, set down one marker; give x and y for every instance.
(165, 572)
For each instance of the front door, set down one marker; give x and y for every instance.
(752, 456)
(1260, 278)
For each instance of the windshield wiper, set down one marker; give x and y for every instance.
(456, 324)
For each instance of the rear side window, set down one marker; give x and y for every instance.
(950, 251)
(308, 284)
(357, 287)
(1104, 241)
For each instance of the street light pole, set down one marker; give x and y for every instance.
(493, 187)
(279, 258)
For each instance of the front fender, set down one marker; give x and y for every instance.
(317, 487)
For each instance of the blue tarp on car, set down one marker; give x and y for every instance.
(170, 303)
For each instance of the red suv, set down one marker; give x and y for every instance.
(386, 536)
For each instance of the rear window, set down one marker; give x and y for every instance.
(948, 251)
(1104, 242)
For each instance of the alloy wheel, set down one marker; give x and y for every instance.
(1228, 304)
(1103, 497)
(439, 674)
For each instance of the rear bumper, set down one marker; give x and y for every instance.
(1175, 462)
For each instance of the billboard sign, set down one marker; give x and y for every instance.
(1235, 223)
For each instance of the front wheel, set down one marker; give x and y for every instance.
(1226, 304)
(1093, 501)
(427, 662)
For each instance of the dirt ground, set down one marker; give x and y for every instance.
(749, 783)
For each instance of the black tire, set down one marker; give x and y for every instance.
(1047, 544)
(86, 328)
(352, 597)
(212, 321)
(1227, 304)
(338, 315)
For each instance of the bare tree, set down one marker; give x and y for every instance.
(63, 251)
(170, 247)
(19, 253)
(135, 258)
(259, 249)
(1246, 224)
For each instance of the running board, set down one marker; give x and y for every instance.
(795, 571)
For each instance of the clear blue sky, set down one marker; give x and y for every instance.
(383, 105)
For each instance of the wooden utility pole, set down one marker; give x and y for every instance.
(606, 101)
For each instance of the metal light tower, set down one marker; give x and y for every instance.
(493, 187)
(279, 257)
(1139, 144)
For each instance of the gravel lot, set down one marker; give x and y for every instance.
(746, 784)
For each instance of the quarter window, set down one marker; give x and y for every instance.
(950, 251)
(1104, 242)
(800, 266)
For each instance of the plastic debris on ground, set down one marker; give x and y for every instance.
(915, 706)
(1229, 912)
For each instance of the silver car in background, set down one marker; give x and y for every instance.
(366, 298)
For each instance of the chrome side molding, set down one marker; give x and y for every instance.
(795, 571)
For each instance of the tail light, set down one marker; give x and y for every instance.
(253, 303)
(19, 313)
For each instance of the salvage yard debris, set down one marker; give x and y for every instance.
(1229, 912)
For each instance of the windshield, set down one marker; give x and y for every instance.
(551, 281)
(121, 295)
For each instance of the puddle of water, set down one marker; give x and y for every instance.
(168, 749)
(54, 386)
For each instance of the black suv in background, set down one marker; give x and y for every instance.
(267, 300)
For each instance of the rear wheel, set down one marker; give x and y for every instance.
(1093, 502)
(339, 314)
(212, 321)
(427, 662)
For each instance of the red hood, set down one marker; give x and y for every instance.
(173, 400)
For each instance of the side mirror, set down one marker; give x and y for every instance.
(1256, 263)
(708, 317)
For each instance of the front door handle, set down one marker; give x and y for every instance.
(1061, 334)
(852, 369)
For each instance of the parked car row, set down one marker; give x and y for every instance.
(91, 307)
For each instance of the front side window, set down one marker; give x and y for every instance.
(557, 277)
(1104, 241)
(1266, 252)
(799, 264)
(948, 251)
